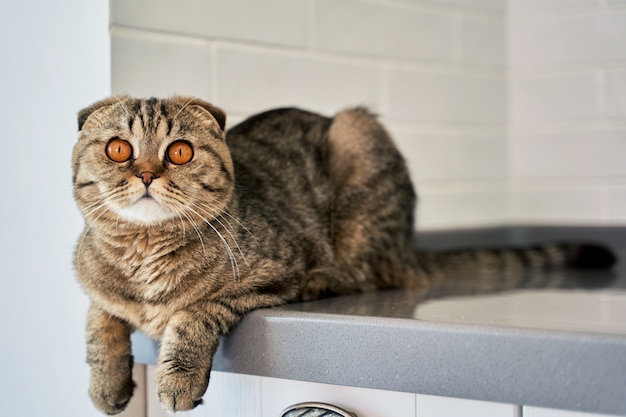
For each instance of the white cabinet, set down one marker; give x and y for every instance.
(238, 395)
(278, 394)
(228, 395)
(434, 406)
(549, 412)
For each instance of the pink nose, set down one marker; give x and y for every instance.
(147, 177)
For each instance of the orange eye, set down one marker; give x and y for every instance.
(180, 152)
(119, 150)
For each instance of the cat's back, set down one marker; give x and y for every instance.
(281, 156)
(278, 133)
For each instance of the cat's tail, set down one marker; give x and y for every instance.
(549, 255)
(489, 269)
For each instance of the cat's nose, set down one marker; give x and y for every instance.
(147, 177)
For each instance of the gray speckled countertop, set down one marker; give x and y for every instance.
(557, 348)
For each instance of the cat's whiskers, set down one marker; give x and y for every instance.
(178, 210)
(178, 206)
(99, 203)
(179, 203)
(233, 237)
(104, 196)
(94, 208)
(212, 212)
(225, 212)
(182, 221)
(231, 254)
(198, 231)
(99, 198)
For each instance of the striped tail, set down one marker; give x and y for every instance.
(493, 269)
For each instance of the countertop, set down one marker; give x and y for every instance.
(558, 347)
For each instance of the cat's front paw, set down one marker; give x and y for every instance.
(111, 392)
(180, 388)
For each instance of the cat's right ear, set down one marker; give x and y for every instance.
(84, 114)
(217, 113)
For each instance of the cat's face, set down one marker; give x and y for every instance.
(149, 162)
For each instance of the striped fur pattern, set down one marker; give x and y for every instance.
(188, 228)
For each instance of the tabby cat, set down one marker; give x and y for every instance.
(188, 228)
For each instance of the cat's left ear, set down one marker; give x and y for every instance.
(84, 114)
(215, 111)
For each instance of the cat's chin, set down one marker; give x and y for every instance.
(146, 211)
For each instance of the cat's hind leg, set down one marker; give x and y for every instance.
(371, 211)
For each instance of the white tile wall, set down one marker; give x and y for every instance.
(457, 205)
(577, 39)
(430, 156)
(616, 93)
(449, 156)
(567, 111)
(577, 153)
(490, 5)
(510, 109)
(558, 202)
(253, 79)
(382, 30)
(561, 97)
(150, 64)
(517, 5)
(483, 42)
(280, 22)
(447, 98)
(617, 204)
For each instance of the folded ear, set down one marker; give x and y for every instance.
(84, 114)
(215, 111)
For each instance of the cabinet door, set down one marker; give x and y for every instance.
(433, 406)
(549, 412)
(137, 405)
(278, 394)
(228, 395)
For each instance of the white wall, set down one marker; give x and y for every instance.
(434, 70)
(507, 110)
(54, 59)
(453, 95)
(568, 111)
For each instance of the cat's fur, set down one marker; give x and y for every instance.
(289, 205)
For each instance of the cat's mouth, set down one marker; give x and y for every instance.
(148, 200)
(146, 209)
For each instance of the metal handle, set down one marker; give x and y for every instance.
(313, 409)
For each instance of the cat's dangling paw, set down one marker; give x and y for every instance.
(111, 393)
(180, 389)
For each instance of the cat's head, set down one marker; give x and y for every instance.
(149, 162)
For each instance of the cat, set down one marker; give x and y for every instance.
(188, 228)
